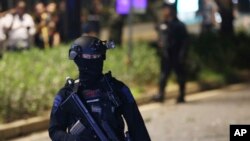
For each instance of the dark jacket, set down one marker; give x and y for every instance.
(173, 38)
(61, 122)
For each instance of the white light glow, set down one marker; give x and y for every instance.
(187, 5)
(170, 1)
(235, 1)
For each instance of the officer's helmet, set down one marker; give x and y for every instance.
(88, 53)
(88, 47)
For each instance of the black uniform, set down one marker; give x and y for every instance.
(172, 38)
(93, 93)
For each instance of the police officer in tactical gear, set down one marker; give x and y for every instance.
(88, 52)
(172, 45)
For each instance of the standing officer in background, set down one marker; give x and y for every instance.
(172, 45)
(107, 99)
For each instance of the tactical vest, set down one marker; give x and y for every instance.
(103, 104)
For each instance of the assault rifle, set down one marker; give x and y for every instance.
(74, 105)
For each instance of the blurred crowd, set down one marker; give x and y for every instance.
(16, 28)
(19, 29)
(48, 24)
(44, 27)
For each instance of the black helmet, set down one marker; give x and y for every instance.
(88, 47)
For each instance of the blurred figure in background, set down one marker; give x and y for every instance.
(42, 21)
(172, 45)
(19, 28)
(62, 21)
(208, 12)
(2, 35)
(89, 29)
(116, 28)
(84, 20)
(94, 15)
(54, 37)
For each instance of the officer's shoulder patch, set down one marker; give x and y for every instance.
(57, 102)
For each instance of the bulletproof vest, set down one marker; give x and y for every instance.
(104, 104)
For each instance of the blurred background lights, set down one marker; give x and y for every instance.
(235, 1)
(170, 1)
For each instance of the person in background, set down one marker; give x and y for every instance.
(94, 17)
(54, 37)
(3, 31)
(41, 21)
(173, 47)
(208, 12)
(2, 36)
(62, 21)
(19, 28)
(116, 28)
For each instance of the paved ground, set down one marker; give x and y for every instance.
(205, 117)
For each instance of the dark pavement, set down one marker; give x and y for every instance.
(205, 117)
